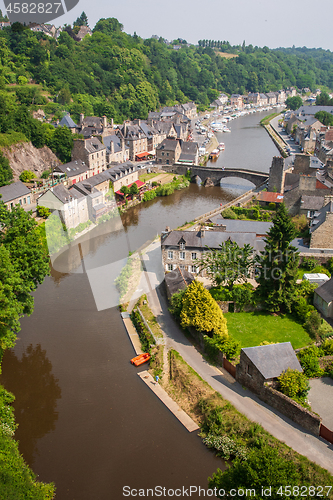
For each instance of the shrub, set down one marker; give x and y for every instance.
(149, 195)
(225, 447)
(312, 324)
(325, 330)
(321, 269)
(176, 302)
(330, 265)
(154, 183)
(294, 384)
(327, 347)
(309, 361)
(272, 206)
(45, 174)
(27, 176)
(228, 213)
(309, 263)
(43, 211)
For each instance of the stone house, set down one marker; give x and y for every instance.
(94, 126)
(123, 175)
(189, 109)
(236, 100)
(323, 298)
(168, 152)
(321, 228)
(95, 190)
(16, 193)
(84, 31)
(135, 138)
(280, 96)
(72, 172)
(223, 98)
(92, 152)
(71, 205)
(189, 153)
(67, 121)
(263, 100)
(217, 104)
(165, 129)
(271, 96)
(253, 98)
(261, 364)
(309, 205)
(116, 150)
(182, 131)
(183, 248)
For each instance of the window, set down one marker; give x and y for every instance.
(182, 246)
(24, 200)
(193, 255)
(170, 255)
(170, 267)
(182, 255)
(249, 370)
(182, 267)
(195, 269)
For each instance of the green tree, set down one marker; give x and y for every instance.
(265, 468)
(276, 267)
(323, 99)
(27, 176)
(6, 174)
(230, 263)
(134, 189)
(125, 190)
(325, 118)
(201, 311)
(61, 143)
(294, 102)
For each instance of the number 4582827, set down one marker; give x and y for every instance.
(33, 8)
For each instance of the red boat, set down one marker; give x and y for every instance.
(139, 360)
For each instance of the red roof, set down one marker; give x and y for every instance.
(270, 197)
(142, 155)
(138, 183)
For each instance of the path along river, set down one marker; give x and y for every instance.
(86, 420)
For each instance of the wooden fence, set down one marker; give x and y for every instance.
(326, 433)
(229, 367)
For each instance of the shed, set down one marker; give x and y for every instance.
(323, 298)
(265, 363)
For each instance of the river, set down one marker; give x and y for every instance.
(86, 420)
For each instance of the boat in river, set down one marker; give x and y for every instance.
(221, 146)
(226, 129)
(214, 154)
(139, 360)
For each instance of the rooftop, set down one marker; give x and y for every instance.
(271, 360)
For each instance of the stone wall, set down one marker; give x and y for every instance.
(291, 409)
(307, 183)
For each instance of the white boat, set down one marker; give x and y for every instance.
(226, 129)
(221, 146)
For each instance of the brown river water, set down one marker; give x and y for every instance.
(86, 420)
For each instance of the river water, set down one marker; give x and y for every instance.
(86, 420)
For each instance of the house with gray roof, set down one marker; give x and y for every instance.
(16, 193)
(265, 363)
(183, 248)
(323, 298)
(116, 150)
(72, 172)
(92, 152)
(189, 153)
(68, 122)
(168, 152)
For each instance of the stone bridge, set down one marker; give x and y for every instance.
(215, 175)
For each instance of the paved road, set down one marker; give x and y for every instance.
(321, 396)
(314, 448)
(294, 148)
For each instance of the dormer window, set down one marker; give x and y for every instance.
(182, 245)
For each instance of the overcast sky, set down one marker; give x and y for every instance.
(259, 22)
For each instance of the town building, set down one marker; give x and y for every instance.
(116, 150)
(123, 175)
(16, 193)
(92, 152)
(321, 228)
(72, 172)
(323, 298)
(236, 100)
(168, 152)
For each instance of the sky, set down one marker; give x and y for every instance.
(258, 22)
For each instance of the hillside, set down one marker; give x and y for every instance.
(24, 156)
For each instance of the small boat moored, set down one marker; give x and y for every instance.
(221, 146)
(139, 360)
(214, 154)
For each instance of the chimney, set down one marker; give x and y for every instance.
(81, 118)
(111, 123)
(104, 121)
(111, 147)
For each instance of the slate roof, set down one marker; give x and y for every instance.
(67, 121)
(93, 145)
(325, 291)
(13, 191)
(312, 202)
(178, 280)
(211, 239)
(312, 110)
(168, 145)
(242, 226)
(271, 360)
(73, 168)
(317, 221)
(116, 143)
(63, 194)
(189, 147)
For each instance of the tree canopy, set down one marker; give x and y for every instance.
(277, 266)
(201, 311)
(294, 102)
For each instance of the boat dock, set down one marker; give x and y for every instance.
(132, 333)
(169, 403)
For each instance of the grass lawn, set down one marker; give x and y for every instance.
(252, 328)
(146, 177)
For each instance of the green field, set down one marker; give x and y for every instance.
(147, 177)
(252, 328)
